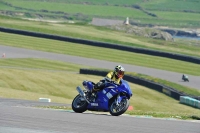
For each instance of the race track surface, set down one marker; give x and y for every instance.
(13, 52)
(20, 116)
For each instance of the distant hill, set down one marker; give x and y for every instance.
(176, 13)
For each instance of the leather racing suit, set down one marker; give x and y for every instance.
(101, 84)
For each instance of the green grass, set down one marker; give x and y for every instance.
(102, 34)
(99, 2)
(108, 9)
(36, 77)
(33, 81)
(179, 16)
(175, 5)
(39, 64)
(77, 50)
(83, 9)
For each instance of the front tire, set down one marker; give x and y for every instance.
(79, 105)
(117, 110)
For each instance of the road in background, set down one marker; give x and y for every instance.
(13, 52)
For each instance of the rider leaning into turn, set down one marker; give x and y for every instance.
(115, 76)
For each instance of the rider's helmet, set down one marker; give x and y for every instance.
(119, 71)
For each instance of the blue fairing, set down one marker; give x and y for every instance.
(124, 87)
(90, 85)
(111, 90)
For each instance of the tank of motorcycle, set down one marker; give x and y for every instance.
(113, 90)
(88, 85)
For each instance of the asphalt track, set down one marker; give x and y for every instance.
(21, 116)
(13, 52)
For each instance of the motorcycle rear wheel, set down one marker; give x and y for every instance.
(79, 105)
(117, 110)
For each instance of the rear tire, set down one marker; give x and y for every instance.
(117, 110)
(78, 105)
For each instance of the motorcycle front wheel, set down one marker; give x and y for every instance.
(79, 105)
(119, 109)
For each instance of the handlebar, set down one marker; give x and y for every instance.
(110, 81)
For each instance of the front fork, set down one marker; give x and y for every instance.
(119, 99)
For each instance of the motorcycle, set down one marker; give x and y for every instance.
(185, 79)
(114, 98)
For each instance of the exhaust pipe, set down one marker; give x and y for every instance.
(80, 91)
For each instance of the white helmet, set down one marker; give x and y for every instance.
(119, 71)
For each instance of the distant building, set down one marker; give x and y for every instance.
(106, 22)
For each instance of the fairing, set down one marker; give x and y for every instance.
(105, 95)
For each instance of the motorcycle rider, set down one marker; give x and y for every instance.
(184, 77)
(115, 76)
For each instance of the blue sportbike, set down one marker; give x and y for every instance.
(114, 98)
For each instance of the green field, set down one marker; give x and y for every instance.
(83, 9)
(31, 79)
(172, 5)
(102, 34)
(143, 12)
